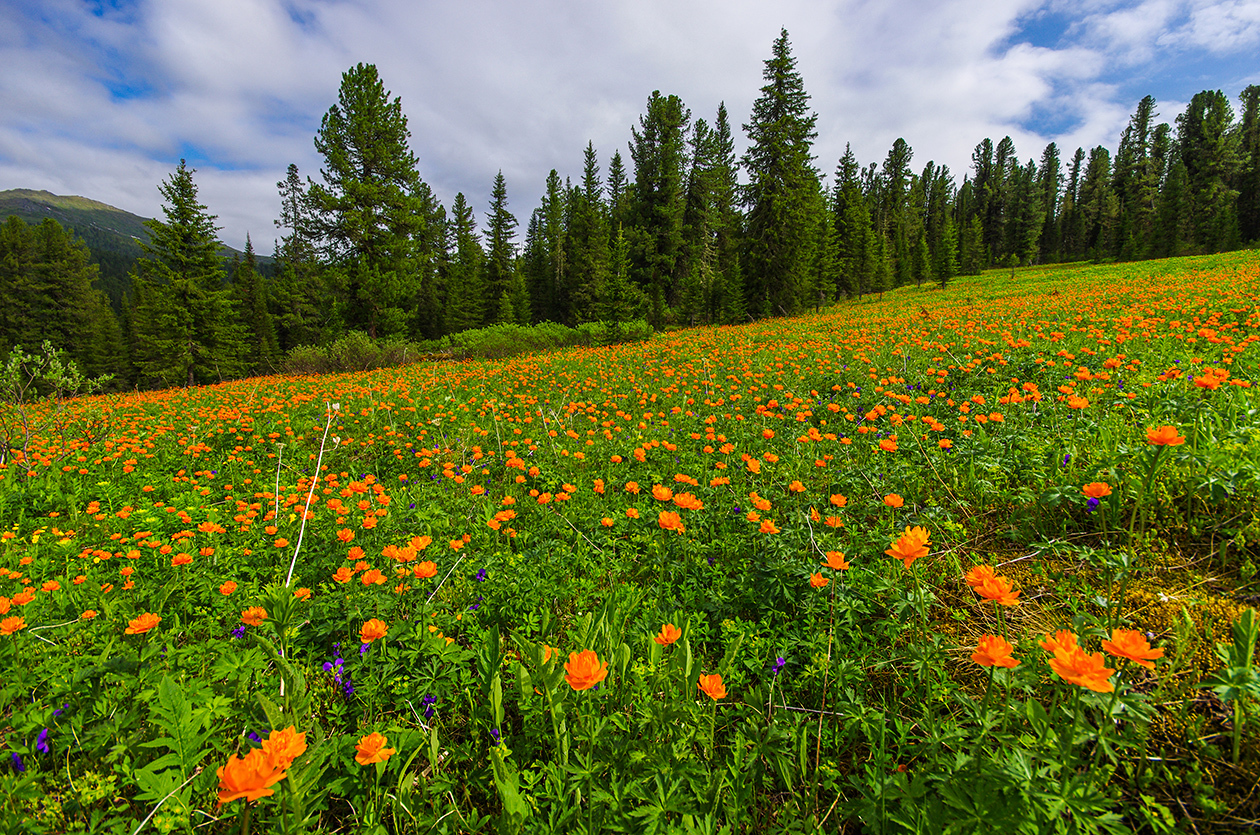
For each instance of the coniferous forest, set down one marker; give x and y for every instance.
(681, 232)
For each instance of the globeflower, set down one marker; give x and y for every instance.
(1164, 436)
(670, 521)
(284, 746)
(1097, 489)
(254, 616)
(142, 624)
(668, 634)
(373, 629)
(836, 561)
(584, 670)
(994, 651)
(371, 749)
(712, 686)
(250, 778)
(910, 546)
(817, 580)
(1130, 644)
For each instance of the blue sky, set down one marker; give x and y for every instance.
(102, 98)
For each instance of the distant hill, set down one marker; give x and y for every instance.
(113, 235)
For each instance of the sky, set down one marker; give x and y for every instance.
(102, 98)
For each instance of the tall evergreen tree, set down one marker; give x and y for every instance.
(1249, 170)
(588, 239)
(261, 349)
(467, 297)
(1209, 151)
(501, 254)
(1049, 186)
(659, 150)
(49, 291)
(186, 323)
(370, 210)
(782, 194)
(300, 297)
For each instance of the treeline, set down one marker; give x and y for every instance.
(670, 235)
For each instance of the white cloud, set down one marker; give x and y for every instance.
(104, 105)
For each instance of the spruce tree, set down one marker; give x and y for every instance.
(467, 293)
(1210, 153)
(261, 350)
(186, 323)
(659, 150)
(300, 297)
(588, 239)
(1249, 172)
(501, 254)
(782, 194)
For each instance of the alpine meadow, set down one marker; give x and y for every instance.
(732, 501)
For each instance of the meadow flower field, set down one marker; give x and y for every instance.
(969, 560)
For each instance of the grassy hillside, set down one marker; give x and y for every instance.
(973, 560)
(113, 235)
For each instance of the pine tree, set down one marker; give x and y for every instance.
(501, 254)
(782, 194)
(370, 210)
(186, 323)
(301, 297)
(261, 351)
(1049, 186)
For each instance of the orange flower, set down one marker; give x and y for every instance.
(1130, 644)
(1075, 666)
(372, 630)
(998, 589)
(839, 500)
(670, 521)
(662, 493)
(371, 749)
(910, 546)
(817, 580)
(688, 501)
(1164, 436)
(836, 560)
(668, 634)
(10, 625)
(88, 614)
(249, 778)
(978, 575)
(993, 651)
(284, 746)
(254, 616)
(181, 559)
(424, 570)
(142, 624)
(584, 670)
(894, 500)
(767, 526)
(1097, 489)
(1063, 640)
(345, 535)
(607, 522)
(343, 574)
(372, 577)
(712, 686)
(888, 445)
(302, 594)
(632, 487)
(632, 513)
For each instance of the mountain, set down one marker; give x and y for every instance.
(113, 235)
